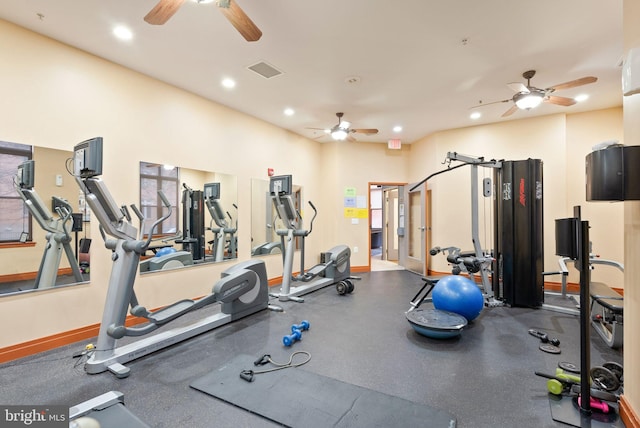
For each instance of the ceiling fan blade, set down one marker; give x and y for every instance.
(494, 102)
(518, 87)
(510, 111)
(366, 131)
(319, 129)
(561, 101)
(350, 138)
(236, 16)
(164, 10)
(573, 83)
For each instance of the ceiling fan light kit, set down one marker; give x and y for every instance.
(527, 101)
(339, 134)
(342, 130)
(528, 97)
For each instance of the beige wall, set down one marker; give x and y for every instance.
(355, 165)
(631, 105)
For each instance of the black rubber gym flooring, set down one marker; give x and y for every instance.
(484, 378)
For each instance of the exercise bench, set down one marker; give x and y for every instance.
(607, 313)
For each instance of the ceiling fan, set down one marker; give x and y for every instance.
(342, 130)
(165, 9)
(528, 97)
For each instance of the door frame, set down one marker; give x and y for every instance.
(382, 184)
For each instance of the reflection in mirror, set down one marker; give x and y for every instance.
(203, 223)
(53, 250)
(265, 220)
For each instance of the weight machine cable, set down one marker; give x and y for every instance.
(450, 168)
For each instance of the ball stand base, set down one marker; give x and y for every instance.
(565, 409)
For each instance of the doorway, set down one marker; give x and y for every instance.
(384, 200)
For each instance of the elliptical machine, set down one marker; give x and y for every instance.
(335, 266)
(223, 227)
(58, 230)
(242, 290)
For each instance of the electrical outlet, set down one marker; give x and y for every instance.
(355, 249)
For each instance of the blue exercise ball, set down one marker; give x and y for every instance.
(164, 251)
(458, 294)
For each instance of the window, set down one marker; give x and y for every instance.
(375, 198)
(14, 218)
(152, 178)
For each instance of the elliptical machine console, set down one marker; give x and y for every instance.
(242, 290)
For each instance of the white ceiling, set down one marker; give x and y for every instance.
(421, 63)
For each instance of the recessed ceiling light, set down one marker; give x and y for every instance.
(397, 128)
(475, 115)
(581, 97)
(228, 83)
(203, 1)
(289, 111)
(122, 32)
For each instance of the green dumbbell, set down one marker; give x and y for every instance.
(567, 376)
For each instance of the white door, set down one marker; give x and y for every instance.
(412, 216)
(390, 224)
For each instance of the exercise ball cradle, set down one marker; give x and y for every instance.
(436, 323)
(459, 300)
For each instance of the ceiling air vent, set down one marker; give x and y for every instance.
(265, 70)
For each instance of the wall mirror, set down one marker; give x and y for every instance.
(44, 229)
(203, 224)
(265, 221)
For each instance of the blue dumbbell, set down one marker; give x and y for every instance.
(296, 335)
(304, 325)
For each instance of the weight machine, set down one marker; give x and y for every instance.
(482, 259)
(242, 289)
(192, 223)
(335, 266)
(606, 305)
(515, 262)
(576, 409)
(58, 229)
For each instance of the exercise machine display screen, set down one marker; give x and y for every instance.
(212, 191)
(87, 158)
(26, 174)
(280, 185)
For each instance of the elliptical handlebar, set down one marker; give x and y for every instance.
(64, 210)
(155, 224)
(315, 213)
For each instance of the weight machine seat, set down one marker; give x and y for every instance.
(469, 253)
(606, 297)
